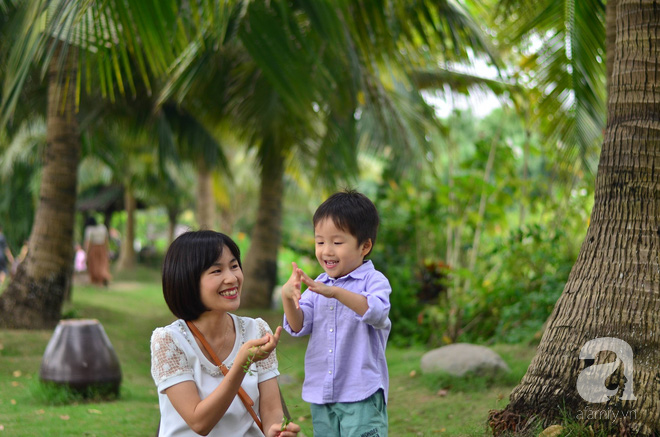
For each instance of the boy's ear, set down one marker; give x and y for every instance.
(366, 247)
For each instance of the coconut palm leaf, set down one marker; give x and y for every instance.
(569, 68)
(116, 40)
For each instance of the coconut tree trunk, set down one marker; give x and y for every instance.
(172, 216)
(260, 266)
(610, 34)
(33, 299)
(205, 199)
(613, 290)
(127, 259)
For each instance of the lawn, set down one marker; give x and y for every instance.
(129, 310)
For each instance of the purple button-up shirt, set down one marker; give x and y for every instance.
(345, 359)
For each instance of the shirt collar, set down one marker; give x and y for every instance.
(358, 273)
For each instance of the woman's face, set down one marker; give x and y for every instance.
(220, 285)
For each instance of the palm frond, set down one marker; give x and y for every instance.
(112, 36)
(462, 83)
(568, 50)
(25, 147)
(195, 142)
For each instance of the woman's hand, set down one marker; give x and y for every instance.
(259, 349)
(284, 429)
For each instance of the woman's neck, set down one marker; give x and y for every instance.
(214, 325)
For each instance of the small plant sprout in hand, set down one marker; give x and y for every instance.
(261, 352)
(285, 422)
(285, 427)
(250, 360)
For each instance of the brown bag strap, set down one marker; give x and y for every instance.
(245, 398)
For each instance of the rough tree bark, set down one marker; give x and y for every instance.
(206, 210)
(260, 264)
(614, 287)
(34, 298)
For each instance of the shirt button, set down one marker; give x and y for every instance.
(330, 371)
(332, 330)
(330, 350)
(332, 308)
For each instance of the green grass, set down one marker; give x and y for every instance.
(129, 310)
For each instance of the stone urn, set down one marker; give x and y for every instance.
(79, 355)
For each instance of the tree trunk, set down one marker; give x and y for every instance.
(33, 299)
(172, 215)
(127, 258)
(260, 264)
(205, 199)
(610, 34)
(612, 290)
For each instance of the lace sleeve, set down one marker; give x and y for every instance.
(167, 357)
(270, 363)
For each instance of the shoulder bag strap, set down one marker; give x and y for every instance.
(245, 398)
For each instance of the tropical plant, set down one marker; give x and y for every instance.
(312, 83)
(20, 177)
(559, 50)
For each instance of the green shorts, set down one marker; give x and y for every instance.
(367, 418)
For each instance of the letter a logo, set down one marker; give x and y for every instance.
(591, 381)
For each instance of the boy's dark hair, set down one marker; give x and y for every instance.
(187, 258)
(351, 212)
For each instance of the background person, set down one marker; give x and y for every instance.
(79, 260)
(96, 248)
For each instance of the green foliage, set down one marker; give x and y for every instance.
(470, 382)
(16, 206)
(528, 269)
(408, 230)
(431, 226)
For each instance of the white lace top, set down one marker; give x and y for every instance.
(176, 357)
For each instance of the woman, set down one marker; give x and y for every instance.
(206, 361)
(96, 247)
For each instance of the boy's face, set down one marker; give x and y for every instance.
(338, 251)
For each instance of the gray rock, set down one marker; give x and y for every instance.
(460, 358)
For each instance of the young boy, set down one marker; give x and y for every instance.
(346, 313)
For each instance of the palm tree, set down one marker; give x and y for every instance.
(35, 296)
(311, 67)
(59, 36)
(560, 52)
(612, 289)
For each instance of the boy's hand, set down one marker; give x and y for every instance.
(291, 289)
(317, 287)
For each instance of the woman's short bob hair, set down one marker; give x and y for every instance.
(187, 258)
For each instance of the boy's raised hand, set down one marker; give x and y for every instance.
(291, 289)
(316, 287)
